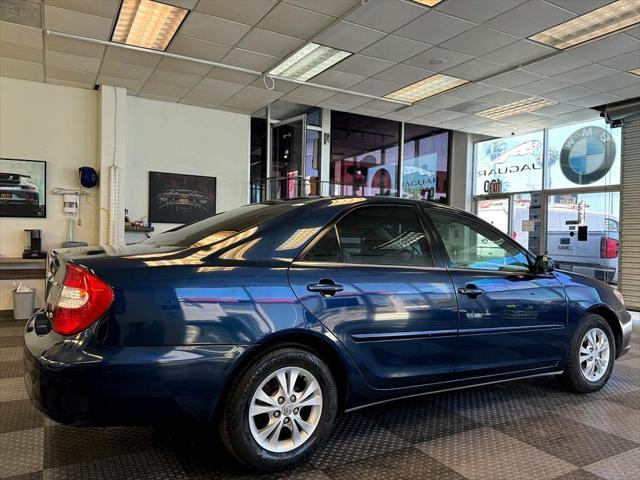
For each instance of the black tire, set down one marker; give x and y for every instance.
(572, 378)
(234, 425)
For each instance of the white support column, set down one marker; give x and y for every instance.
(325, 153)
(113, 155)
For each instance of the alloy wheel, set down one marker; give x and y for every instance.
(594, 354)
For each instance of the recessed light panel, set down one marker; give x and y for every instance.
(147, 24)
(309, 61)
(599, 22)
(514, 108)
(426, 88)
(635, 71)
(428, 3)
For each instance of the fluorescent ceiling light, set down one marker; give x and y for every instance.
(309, 61)
(599, 22)
(426, 88)
(428, 3)
(635, 71)
(147, 24)
(514, 108)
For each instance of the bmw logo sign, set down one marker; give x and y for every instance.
(587, 155)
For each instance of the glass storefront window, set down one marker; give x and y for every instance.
(425, 165)
(312, 163)
(583, 233)
(258, 159)
(587, 154)
(512, 164)
(364, 155)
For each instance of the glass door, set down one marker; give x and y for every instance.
(288, 157)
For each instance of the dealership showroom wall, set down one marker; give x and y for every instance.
(123, 119)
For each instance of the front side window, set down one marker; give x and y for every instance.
(471, 244)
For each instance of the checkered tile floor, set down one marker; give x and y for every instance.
(520, 430)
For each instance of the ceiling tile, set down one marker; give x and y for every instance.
(101, 8)
(183, 80)
(395, 48)
(633, 31)
(270, 43)
(478, 41)
(78, 23)
(21, 12)
(403, 74)
(133, 85)
(557, 109)
(362, 65)
(253, 98)
(347, 100)
(85, 79)
(578, 116)
(26, 36)
(468, 121)
(387, 15)
(11, 67)
(334, 78)
(471, 107)
(161, 91)
(474, 70)
(213, 29)
(613, 82)
(19, 51)
(196, 48)
(595, 100)
(239, 57)
(294, 21)
(349, 37)
(434, 27)
(585, 74)
(625, 62)
(381, 106)
(442, 100)
(437, 59)
(240, 111)
(580, 7)
(396, 117)
(125, 70)
(522, 118)
(416, 111)
(502, 98)
(373, 86)
(512, 79)
(335, 8)
(518, 53)
(476, 90)
(281, 86)
(627, 92)
(77, 63)
(139, 59)
(530, 17)
(232, 76)
(477, 12)
(74, 47)
(441, 116)
(365, 111)
(183, 66)
(555, 65)
(243, 11)
(570, 93)
(540, 87)
(211, 85)
(68, 83)
(188, 4)
(603, 48)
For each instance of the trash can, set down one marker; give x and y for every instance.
(23, 304)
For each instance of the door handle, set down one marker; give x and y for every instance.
(471, 291)
(326, 288)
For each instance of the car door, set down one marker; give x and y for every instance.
(372, 280)
(511, 319)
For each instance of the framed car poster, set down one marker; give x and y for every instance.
(23, 188)
(178, 198)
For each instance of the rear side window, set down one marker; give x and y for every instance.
(377, 235)
(326, 250)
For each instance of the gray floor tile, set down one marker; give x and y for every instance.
(10, 341)
(19, 415)
(11, 369)
(488, 454)
(631, 399)
(12, 389)
(561, 437)
(13, 331)
(625, 466)
(11, 354)
(21, 452)
(579, 474)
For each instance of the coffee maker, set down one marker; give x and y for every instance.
(34, 249)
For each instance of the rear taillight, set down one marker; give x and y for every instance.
(608, 247)
(83, 299)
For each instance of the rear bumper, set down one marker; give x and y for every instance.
(79, 384)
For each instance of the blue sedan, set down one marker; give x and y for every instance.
(270, 319)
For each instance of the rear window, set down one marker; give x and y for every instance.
(227, 224)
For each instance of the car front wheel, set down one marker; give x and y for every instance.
(278, 409)
(591, 356)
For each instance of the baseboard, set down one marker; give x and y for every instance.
(6, 315)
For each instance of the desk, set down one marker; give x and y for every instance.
(22, 268)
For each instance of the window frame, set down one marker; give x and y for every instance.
(427, 210)
(434, 247)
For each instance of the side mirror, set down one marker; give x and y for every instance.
(543, 264)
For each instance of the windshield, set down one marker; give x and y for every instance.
(224, 225)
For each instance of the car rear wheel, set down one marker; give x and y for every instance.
(279, 409)
(591, 356)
